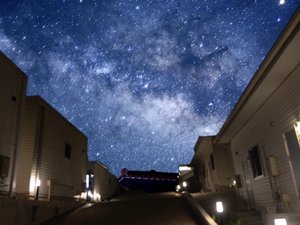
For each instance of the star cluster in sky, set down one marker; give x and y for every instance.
(141, 78)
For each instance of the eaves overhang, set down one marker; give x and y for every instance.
(281, 61)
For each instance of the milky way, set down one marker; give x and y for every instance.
(142, 79)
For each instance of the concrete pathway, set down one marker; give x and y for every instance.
(136, 209)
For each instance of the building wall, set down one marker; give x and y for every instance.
(25, 158)
(223, 173)
(199, 162)
(207, 172)
(105, 183)
(12, 93)
(266, 129)
(215, 164)
(24, 212)
(44, 136)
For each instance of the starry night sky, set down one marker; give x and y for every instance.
(142, 79)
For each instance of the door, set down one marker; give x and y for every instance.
(248, 183)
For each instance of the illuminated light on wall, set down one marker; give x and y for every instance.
(87, 181)
(83, 195)
(97, 197)
(297, 130)
(234, 182)
(33, 184)
(185, 168)
(77, 196)
(280, 221)
(184, 184)
(219, 207)
(90, 194)
(38, 183)
(297, 127)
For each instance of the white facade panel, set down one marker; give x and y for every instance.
(12, 93)
(105, 185)
(214, 163)
(266, 129)
(45, 134)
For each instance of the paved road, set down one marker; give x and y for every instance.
(136, 209)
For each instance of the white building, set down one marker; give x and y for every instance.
(43, 155)
(213, 164)
(263, 132)
(12, 93)
(101, 184)
(52, 154)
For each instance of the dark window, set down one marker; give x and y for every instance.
(212, 162)
(68, 151)
(203, 170)
(4, 166)
(255, 162)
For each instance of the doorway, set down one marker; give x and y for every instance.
(248, 183)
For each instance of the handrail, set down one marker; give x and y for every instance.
(202, 215)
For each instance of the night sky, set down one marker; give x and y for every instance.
(142, 79)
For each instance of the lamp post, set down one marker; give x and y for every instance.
(37, 185)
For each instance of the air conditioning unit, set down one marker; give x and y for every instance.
(4, 166)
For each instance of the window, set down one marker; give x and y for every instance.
(255, 162)
(68, 151)
(4, 166)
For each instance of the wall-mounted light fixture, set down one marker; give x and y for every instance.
(185, 168)
(220, 210)
(87, 180)
(219, 207)
(297, 130)
(280, 221)
(233, 182)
